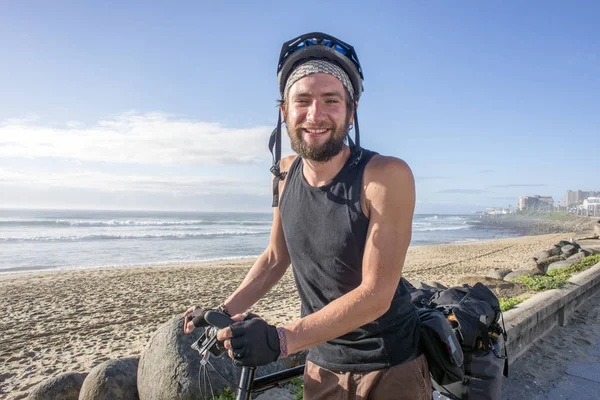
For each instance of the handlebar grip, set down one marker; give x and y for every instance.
(218, 319)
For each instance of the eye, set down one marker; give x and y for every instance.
(332, 101)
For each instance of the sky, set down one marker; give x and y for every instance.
(169, 106)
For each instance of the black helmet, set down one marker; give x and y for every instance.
(319, 45)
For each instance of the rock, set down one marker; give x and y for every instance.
(542, 265)
(521, 272)
(531, 264)
(584, 252)
(419, 285)
(567, 243)
(64, 387)
(577, 257)
(568, 250)
(543, 255)
(561, 265)
(113, 379)
(436, 285)
(276, 394)
(590, 251)
(170, 369)
(499, 273)
(555, 251)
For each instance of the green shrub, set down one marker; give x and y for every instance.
(298, 389)
(508, 303)
(557, 277)
(227, 394)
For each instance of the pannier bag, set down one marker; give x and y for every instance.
(483, 376)
(441, 347)
(473, 314)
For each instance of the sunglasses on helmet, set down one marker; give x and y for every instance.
(313, 39)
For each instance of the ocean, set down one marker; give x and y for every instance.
(36, 240)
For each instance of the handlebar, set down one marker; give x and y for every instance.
(218, 319)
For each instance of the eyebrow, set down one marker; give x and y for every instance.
(326, 94)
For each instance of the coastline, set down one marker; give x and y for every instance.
(72, 320)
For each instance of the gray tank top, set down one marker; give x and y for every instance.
(325, 232)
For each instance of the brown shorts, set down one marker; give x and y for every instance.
(404, 381)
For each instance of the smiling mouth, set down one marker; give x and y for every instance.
(319, 131)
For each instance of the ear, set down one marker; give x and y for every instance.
(282, 108)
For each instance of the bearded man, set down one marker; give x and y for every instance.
(342, 218)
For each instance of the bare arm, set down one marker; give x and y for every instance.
(268, 268)
(389, 199)
(264, 274)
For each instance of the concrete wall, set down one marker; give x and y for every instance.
(532, 319)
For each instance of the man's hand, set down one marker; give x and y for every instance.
(251, 342)
(188, 317)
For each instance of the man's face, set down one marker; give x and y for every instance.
(316, 116)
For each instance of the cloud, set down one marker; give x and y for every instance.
(516, 185)
(133, 138)
(463, 191)
(143, 184)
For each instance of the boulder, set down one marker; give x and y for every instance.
(577, 257)
(276, 394)
(498, 273)
(565, 243)
(555, 251)
(543, 255)
(590, 250)
(561, 265)
(436, 285)
(542, 265)
(531, 264)
(568, 250)
(521, 272)
(170, 369)
(62, 387)
(113, 379)
(584, 252)
(419, 285)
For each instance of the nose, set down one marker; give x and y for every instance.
(315, 112)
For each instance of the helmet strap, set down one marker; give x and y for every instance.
(356, 133)
(275, 149)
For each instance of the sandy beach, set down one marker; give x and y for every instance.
(70, 321)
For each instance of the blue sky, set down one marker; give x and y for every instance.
(155, 105)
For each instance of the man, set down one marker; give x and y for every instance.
(343, 219)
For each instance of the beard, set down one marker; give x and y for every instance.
(319, 152)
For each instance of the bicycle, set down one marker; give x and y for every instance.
(208, 346)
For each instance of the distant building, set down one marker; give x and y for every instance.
(575, 198)
(591, 207)
(536, 203)
(496, 211)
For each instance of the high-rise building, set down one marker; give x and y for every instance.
(575, 198)
(536, 203)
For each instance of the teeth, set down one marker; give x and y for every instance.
(317, 130)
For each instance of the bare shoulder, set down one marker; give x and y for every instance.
(388, 183)
(286, 163)
(388, 170)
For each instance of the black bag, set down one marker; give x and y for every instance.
(441, 347)
(483, 376)
(474, 313)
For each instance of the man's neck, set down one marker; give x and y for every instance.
(321, 173)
